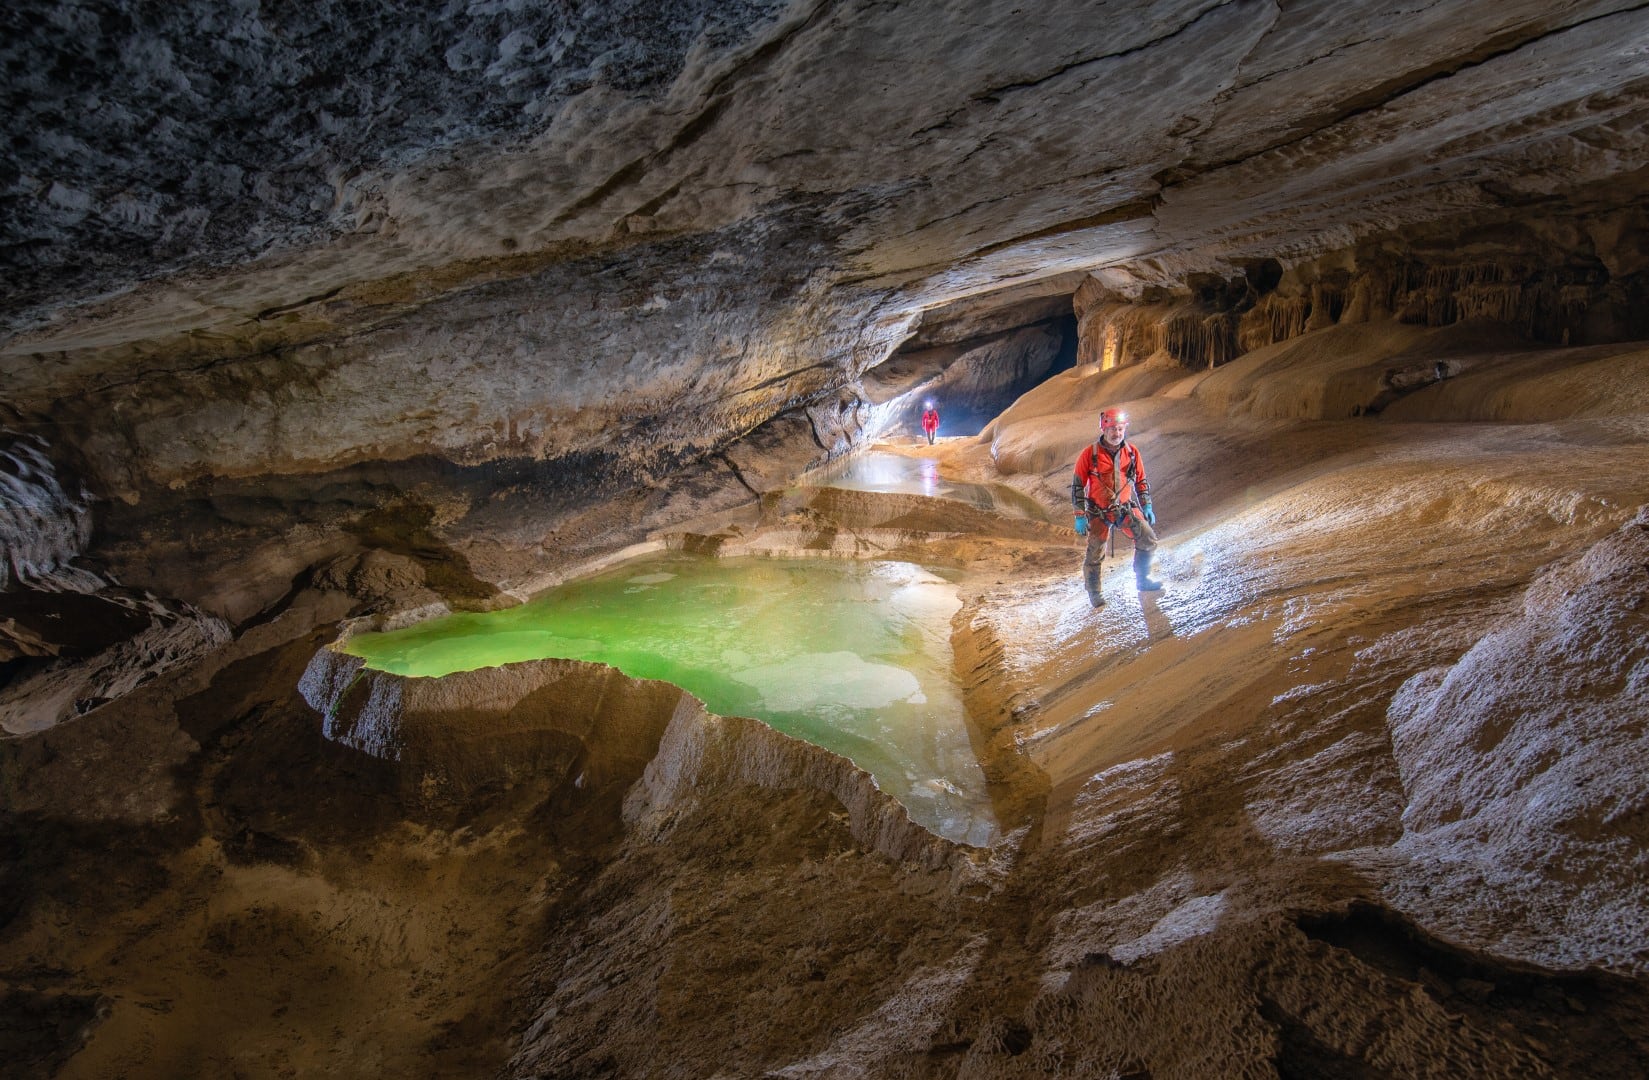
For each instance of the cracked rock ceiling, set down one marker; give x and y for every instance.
(284, 238)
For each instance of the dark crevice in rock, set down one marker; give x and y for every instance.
(652, 205)
(270, 313)
(40, 1030)
(733, 468)
(993, 95)
(685, 136)
(1130, 211)
(1501, 45)
(77, 624)
(928, 223)
(1246, 86)
(777, 380)
(404, 529)
(188, 370)
(1058, 184)
(301, 583)
(1584, 1023)
(1301, 1055)
(764, 55)
(1137, 210)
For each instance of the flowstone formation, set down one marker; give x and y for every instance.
(327, 313)
(1356, 793)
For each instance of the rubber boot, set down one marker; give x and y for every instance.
(1090, 578)
(1142, 572)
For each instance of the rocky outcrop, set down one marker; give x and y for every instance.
(572, 725)
(702, 754)
(162, 636)
(589, 728)
(1521, 767)
(71, 638)
(44, 525)
(611, 245)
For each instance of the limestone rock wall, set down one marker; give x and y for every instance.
(636, 369)
(641, 233)
(582, 727)
(1520, 766)
(1577, 279)
(519, 270)
(590, 728)
(211, 135)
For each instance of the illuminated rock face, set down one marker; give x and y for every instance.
(576, 255)
(641, 232)
(333, 309)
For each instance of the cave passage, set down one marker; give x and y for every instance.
(851, 656)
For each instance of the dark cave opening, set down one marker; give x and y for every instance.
(964, 413)
(971, 374)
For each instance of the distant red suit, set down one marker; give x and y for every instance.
(930, 422)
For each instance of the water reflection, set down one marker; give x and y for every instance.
(880, 470)
(854, 657)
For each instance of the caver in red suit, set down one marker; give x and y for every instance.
(930, 423)
(1109, 491)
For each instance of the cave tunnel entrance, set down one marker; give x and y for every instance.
(965, 410)
(972, 360)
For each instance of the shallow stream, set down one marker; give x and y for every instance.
(881, 470)
(851, 656)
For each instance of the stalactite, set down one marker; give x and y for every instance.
(1118, 334)
(1327, 301)
(1545, 304)
(1275, 318)
(1199, 341)
(1563, 302)
(1288, 316)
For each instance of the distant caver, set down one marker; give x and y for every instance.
(1109, 491)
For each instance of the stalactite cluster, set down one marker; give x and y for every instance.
(1559, 297)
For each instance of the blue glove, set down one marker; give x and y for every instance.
(1082, 524)
(1150, 514)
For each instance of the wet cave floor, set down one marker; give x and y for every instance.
(1223, 850)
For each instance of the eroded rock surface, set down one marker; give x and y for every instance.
(336, 312)
(616, 242)
(1330, 804)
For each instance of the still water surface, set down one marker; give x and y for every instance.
(851, 656)
(881, 470)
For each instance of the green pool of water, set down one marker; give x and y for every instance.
(852, 656)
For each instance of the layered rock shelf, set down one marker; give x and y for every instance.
(316, 317)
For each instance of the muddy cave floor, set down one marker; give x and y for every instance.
(1359, 794)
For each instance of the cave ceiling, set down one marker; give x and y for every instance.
(270, 238)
